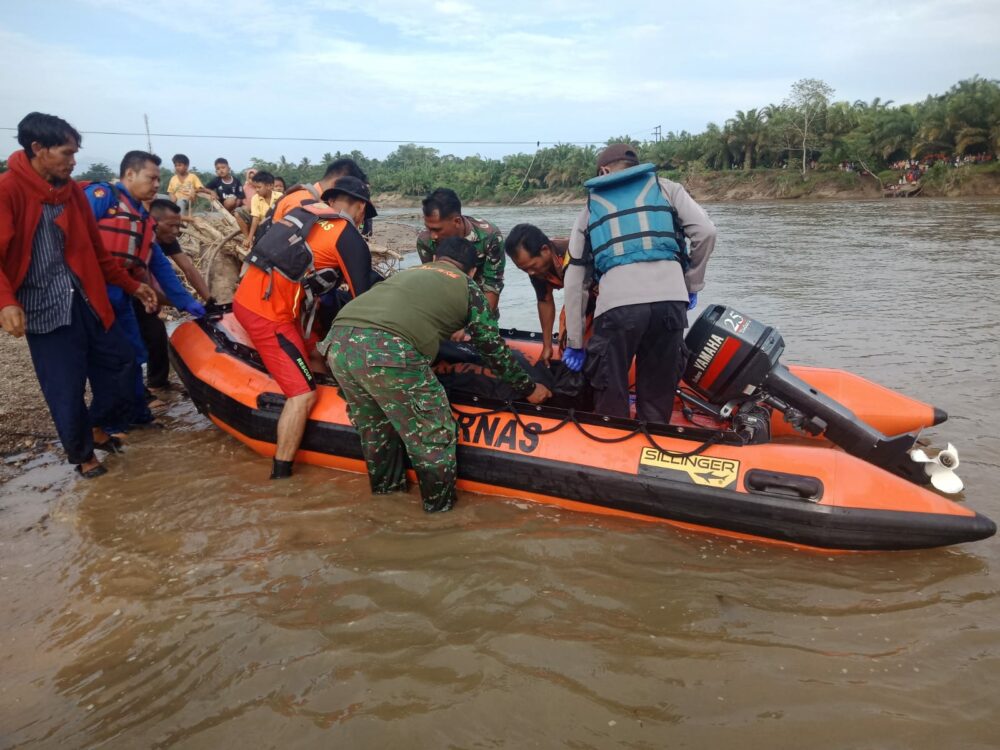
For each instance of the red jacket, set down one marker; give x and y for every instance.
(22, 193)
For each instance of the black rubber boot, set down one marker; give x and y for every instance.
(281, 469)
(440, 504)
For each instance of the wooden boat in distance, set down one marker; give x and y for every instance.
(908, 190)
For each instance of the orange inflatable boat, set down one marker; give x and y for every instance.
(719, 466)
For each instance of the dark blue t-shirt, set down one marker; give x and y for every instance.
(232, 189)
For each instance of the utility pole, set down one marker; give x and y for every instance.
(149, 141)
(657, 133)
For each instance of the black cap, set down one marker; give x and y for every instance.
(355, 188)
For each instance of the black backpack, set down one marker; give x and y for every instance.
(284, 249)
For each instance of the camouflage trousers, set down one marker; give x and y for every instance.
(399, 408)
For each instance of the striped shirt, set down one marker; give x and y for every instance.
(46, 294)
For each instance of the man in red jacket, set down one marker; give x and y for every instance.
(53, 276)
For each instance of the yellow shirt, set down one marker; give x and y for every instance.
(259, 207)
(184, 189)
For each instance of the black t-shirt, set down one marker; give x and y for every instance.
(542, 288)
(232, 189)
(171, 248)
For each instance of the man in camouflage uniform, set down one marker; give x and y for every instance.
(380, 350)
(443, 218)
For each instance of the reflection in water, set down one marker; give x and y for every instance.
(184, 601)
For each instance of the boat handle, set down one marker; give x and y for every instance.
(761, 482)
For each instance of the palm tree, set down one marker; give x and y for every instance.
(746, 131)
(971, 111)
(716, 147)
(876, 105)
(961, 119)
(934, 133)
(893, 131)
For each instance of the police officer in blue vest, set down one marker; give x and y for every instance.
(647, 242)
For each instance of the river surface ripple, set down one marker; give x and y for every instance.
(184, 601)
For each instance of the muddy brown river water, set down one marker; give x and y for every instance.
(184, 601)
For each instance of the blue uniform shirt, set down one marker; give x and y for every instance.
(102, 199)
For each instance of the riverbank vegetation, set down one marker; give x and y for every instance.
(809, 144)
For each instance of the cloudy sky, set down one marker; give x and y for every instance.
(464, 76)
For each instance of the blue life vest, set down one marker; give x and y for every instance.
(631, 220)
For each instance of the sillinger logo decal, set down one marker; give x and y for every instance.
(708, 471)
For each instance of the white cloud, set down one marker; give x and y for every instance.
(469, 70)
(451, 8)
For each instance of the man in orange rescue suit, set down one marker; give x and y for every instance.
(300, 194)
(290, 265)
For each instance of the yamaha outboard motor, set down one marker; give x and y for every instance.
(734, 360)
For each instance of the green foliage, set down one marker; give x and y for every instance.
(98, 172)
(941, 179)
(3, 166)
(806, 127)
(889, 176)
(937, 177)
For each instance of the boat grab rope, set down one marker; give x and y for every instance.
(640, 427)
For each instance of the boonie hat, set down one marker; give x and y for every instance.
(617, 152)
(355, 188)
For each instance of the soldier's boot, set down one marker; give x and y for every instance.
(440, 503)
(437, 488)
(387, 469)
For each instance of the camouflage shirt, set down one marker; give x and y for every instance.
(489, 249)
(428, 303)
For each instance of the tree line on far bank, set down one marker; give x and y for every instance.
(808, 129)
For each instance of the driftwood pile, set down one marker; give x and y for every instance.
(215, 243)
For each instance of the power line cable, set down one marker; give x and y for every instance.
(329, 140)
(526, 173)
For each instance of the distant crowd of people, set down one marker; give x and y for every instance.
(912, 166)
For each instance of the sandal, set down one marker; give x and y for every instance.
(113, 444)
(98, 471)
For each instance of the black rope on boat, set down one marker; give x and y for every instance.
(716, 437)
(640, 427)
(595, 438)
(534, 429)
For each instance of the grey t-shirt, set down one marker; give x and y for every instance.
(637, 283)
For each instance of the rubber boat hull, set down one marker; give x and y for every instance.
(806, 495)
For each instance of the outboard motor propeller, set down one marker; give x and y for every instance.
(734, 359)
(941, 468)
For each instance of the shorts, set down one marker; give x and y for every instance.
(282, 350)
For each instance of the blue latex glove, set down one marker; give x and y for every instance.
(574, 358)
(692, 300)
(196, 309)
